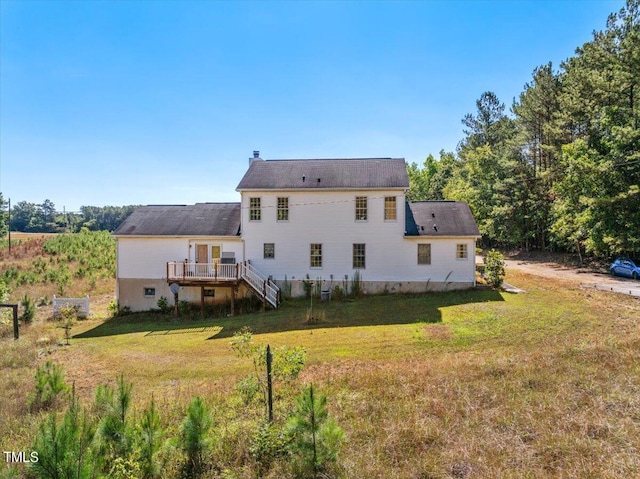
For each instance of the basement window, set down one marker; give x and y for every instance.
(209, 293)
(149, 292)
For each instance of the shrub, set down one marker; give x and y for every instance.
(248, 388)
(286, 288)
(63, 449)
(28, 309)
(193, 434)
(338, 293)
(163, 304)
(307, 284)
(267, 444)
(316, 437)
(149, 437)
(49, 387)
(494, 268)
(356, 285)
(184, 307)
(114, 432)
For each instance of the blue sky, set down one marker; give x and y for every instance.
(162, 102)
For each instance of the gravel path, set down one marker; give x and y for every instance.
(583, 277)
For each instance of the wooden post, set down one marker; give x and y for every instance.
(202, 302)
(175, 308)
(264, 296)
(233, 300)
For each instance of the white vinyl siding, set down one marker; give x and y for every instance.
(328, 218)
(148, 257)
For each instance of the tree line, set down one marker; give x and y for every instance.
(561, 169)
(44, 218)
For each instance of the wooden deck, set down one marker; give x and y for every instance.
(224, 275)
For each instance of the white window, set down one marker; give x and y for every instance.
(255, 212)
(424, 253)
(315, 256)
(359, 250)
(390, 210)
(269, 250)
(461, 251)
(283, 209)
(361, 208)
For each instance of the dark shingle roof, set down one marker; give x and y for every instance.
(450, 218)
(364, 173)
(201, 219)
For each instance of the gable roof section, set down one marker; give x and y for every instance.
(201, 219)
(362, 173)
(439, 218)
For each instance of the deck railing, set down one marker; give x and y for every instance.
(201, 271)
(265, 287)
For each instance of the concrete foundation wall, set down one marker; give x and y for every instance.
(377, 287)
(131, 294)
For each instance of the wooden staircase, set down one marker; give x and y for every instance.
(263, 287)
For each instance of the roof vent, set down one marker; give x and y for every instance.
(433, 215)
(304, 178)
(318, 180)
(256, 153)
(435, 228)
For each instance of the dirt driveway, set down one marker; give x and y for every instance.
(584, 277)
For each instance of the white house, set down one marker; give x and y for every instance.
(322, 220)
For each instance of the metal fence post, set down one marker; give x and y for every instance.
(269, 386)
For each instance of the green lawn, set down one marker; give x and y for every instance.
(153, 348)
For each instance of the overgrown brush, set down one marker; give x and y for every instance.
(58, 259)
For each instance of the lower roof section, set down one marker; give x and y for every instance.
(201, 219)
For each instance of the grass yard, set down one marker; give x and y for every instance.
(460, 384)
